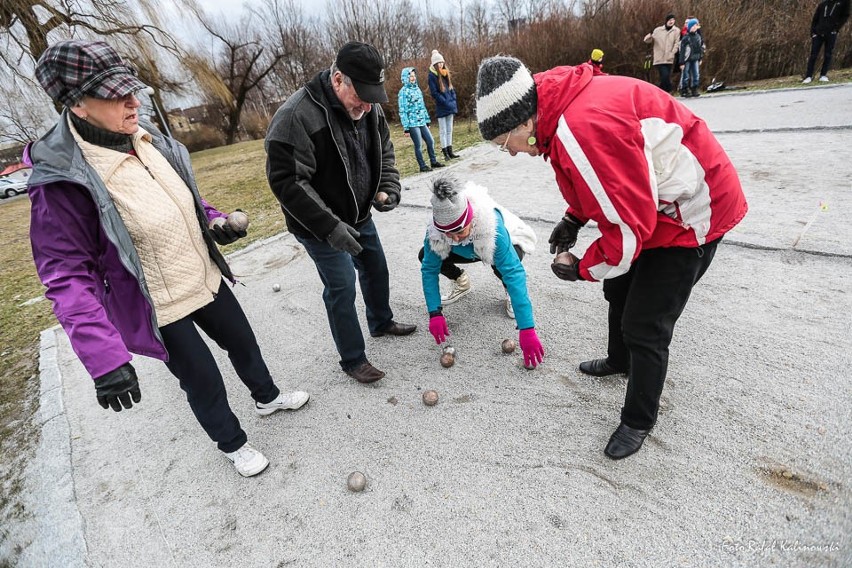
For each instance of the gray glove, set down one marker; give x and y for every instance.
(344, 238)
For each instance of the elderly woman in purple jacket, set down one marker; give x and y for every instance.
(126, 247)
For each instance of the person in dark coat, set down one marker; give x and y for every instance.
(829, 17)
(330, 161)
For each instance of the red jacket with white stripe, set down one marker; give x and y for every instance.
(636, 161)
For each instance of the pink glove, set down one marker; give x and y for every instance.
(438, 328)
(531, 346)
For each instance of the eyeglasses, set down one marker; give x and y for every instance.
(503, 147)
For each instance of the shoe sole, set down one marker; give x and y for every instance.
(448, 301)
(252, 473)
(268, 411)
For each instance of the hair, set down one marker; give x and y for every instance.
(441, 86)
(334, 69)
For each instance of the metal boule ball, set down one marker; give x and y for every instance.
(381, 197)
(508, 346)
(564, 258)
(430, 398)
(450, 350)
(217, 222)
(356, 481)
(238, 221)
(276, 287)
(529, 367)
(447, 360)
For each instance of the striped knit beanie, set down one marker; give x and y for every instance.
(451, 211)
(505, 96)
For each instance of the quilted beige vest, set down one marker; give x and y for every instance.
(159, 212)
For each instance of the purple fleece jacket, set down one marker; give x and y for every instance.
(97, 300)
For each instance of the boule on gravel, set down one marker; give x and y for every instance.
(356, 481)
(508, 346)
(447, 360)
(430, 398)
(276, 287)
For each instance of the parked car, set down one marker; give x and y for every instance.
(11, 187)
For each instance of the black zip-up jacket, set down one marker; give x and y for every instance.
(830, 16)
(308, 166)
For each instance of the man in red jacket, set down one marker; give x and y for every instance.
(657, 183)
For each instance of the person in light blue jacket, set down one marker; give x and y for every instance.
(415, 119)
(469, 226)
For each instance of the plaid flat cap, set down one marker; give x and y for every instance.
(68, 70)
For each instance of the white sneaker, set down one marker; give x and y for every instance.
(461, 288)
(824, 79)
(807, 80)
(510, 311)
(285, 401)
(247, 460)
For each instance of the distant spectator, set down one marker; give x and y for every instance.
(666, 41)
(446, 107)
(828, 18)
(415, 119)
(691, 52)
(596, 62)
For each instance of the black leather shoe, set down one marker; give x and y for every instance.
(394, 328)
(625, 441)
(600, 368)
(366, 373)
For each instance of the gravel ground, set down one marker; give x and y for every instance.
(749, 464)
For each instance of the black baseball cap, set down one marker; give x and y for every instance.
(362, 63)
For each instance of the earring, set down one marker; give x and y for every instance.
(531, 140)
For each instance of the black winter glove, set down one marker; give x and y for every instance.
(344, 238)
(570, 272)
(117, 387)
(223, 233)
(564, 235)
(390, 203)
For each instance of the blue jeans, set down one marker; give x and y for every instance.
(418, 132)
(337, 272)
(690, 75)
(445, 130)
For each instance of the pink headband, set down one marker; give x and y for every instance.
(458, 223)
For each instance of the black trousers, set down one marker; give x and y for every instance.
(817, 42)
(644, 306)
(451, 271)
(665, 71)
(192, 363)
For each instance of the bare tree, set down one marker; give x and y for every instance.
(238, 66)
(301, 41)
(392, 26)
(26, 24)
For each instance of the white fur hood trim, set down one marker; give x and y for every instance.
(484, 230)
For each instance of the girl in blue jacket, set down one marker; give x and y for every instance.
(415, 119)
(446, 107)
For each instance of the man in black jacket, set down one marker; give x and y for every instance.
(828, 18)
(329, 159)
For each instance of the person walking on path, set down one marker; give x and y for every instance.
(329, 161)
(659, 186)
(121, 238)
(446, 106)
(666, 43)
(468, 226)
(415, 119)
(691, 52)
(596, 62)
(829, 17)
